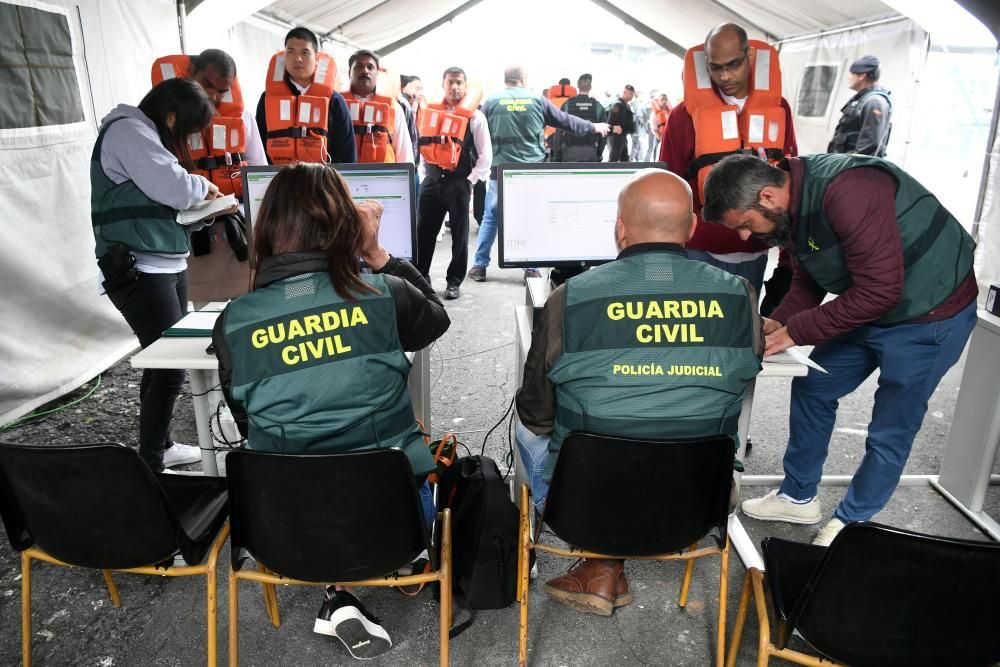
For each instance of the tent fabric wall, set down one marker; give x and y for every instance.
(902, 47)
(987, 261)
(58, 330)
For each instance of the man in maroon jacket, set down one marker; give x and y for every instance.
(901, 265)
(726, 51)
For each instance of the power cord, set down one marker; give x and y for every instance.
(35, 415)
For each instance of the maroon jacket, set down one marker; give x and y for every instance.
(860, 204)
(677, 150)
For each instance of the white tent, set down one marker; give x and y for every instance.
(59, 332)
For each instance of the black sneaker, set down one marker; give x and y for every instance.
(452, 292)
(478, 273)
(344, 617)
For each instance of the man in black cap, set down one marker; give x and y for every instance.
(867, 117)
(622, 123)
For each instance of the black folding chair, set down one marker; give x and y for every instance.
(339, 519)
(878, 596)
(99, 506)
(638, 500)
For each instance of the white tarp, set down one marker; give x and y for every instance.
(58, 331)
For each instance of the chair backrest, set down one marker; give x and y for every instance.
(639, 497)
(334, 517)
(94, 505)
(884, 596)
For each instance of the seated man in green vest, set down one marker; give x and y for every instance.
(862, 228)
(649, 345)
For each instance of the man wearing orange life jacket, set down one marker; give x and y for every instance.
(303, 72)
(457, 151)
(725, 112)
(658, 122)
(217, 268)
(379, 126)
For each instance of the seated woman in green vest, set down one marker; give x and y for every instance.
(312, 360)
(138, 183)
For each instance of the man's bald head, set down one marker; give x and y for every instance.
(654, 207)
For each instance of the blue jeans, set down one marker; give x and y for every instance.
(427, 503)
(912, 359)
(534, 451)
(752, 270)
(488, 227)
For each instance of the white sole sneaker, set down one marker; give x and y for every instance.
(178, 455)
(364, 639)
(773, 508)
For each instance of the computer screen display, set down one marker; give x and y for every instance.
(392, 185)
(560, 214)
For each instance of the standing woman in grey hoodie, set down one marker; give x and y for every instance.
(138, 184)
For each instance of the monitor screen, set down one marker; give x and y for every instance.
(560, 214)
(392, 185)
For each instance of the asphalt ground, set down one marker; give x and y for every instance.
(472, 374)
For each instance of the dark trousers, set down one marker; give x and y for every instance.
(479, 201)
(151, 305)
(617, 148)
(438, 197)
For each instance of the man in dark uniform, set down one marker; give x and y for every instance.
(596, 334)
(569, 147)
(867, 117)
(622, 123)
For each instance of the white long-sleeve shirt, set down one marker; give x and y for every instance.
(484, 147)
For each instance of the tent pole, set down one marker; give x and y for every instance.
(399, 43)
(643, 29)
(984, 181)
(181, 14)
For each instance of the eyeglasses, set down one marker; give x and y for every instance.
(731, 66)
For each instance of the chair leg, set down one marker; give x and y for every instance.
(211, 609)
(720, 646)
(234, 621)
(764, 634)
(25, 609)
(524, 572)
(741, 617)
(116, 599)
(686, 584)
(270, 598)
(446, 564)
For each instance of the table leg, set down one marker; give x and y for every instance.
(419, 386)
(202, 413)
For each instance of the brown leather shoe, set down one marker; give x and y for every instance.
(592, 586)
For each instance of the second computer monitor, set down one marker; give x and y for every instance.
(560, 214)
(392, 185)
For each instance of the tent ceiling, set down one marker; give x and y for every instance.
(376, 24)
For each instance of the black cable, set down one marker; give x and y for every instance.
(207, 391)
(510, 407)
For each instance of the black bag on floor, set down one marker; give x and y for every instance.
(484, 527)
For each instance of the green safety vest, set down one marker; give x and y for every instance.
(517, 123)
(937, 252)
(317, 374)
(122, 213)
(654, 346)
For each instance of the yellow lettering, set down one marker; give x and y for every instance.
(357, 317)
(653, 310)
(289, 357)
(714, 309)
(295, 330)
(259, 338)
(341, 348)
(693, 333)
(315, 348)
(671, 309)
(276, 332)
(633, 310)
(642, 333)
(331, 320)
(616, 311)
(689, 308)
(313, 325)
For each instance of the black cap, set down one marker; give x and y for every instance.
(865, 64)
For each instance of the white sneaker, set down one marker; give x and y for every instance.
(828, 532)
(773, 508)
(178, 455)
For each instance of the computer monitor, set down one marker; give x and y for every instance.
(390, 184)
(560, 213)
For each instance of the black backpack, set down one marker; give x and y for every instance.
(484, 527)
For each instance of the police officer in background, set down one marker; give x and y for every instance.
(867, 117)
(569, 147)
(597, 358)
(622, 123)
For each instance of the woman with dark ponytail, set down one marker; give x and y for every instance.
(138, 184)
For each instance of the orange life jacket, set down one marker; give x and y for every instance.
(558, 94)
(442, 130)
(297, 124)
(374, 122)
(220, 150)
(720, 129)
(662, 113)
